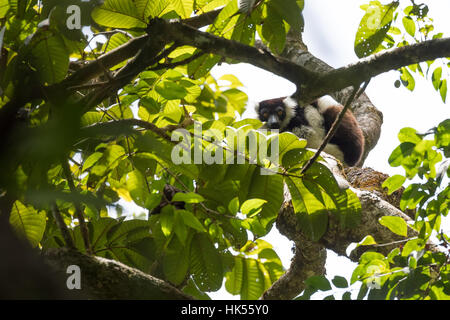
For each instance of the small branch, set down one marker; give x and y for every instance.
(62, 226)
(78, 211)
(178, 63)
(202, 20)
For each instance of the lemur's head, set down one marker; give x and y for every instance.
(276, 112)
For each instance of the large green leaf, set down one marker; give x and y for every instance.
(396, 224)
(394, 183)
(152, 8)
(253, 282)
(273, 31)
(205, 263)
(138, 187)
(309, 207)
(118, 14)
(349, 208)
(234, 278)
(50, 58)
(290, 11)
(4, 7)
(373, 27)
(255, 185)
(27, 222)
(176, 260)
(184, 8)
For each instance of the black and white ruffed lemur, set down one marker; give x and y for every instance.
(312, 122)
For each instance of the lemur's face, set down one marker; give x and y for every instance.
(273, 112)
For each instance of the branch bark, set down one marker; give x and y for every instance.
(108, 279)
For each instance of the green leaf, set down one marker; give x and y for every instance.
(319, 282)
(403, 151)
(202, 65)
(310, 210)
(153, 8)
(176, 260)
(367, 241)
(396, 224)
(191, 220)
(4, 7)
(129, 230)
(252, 207)
(254, 185)
(184, 8)
(27, 222)
(167, 220)
(290, 11)
(188, 197)
(253, 280)
(163, 150)
(192, 290)
(340, 282)
(233, 206)
(91, 160)
(443, 136)
(99, 232)
(118, 14)
(50, 58)
(289, 141)
(273, 31)
(412, 245)
(373, 27)
(171, 90)
(407, 79)
(409, 135)
(205, 263)
(443, 90)
(409, 25)
(349, 208)
(411, 196)
(436, 77)
(136, 183)
(234, 278)
(394, 183)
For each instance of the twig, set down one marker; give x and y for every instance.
(178, 63)
(78, 210)
(62, 226)
(357, 91)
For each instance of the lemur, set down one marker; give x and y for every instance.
(312, 123)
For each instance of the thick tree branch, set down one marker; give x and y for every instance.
(108, 279)
(381, 62)
(309, 260)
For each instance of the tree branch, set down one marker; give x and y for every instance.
(108, 279)
(382, 62)
(62, 226)
(78, 210)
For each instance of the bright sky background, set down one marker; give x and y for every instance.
(330, 28)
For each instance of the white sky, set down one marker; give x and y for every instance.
(330, 28)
